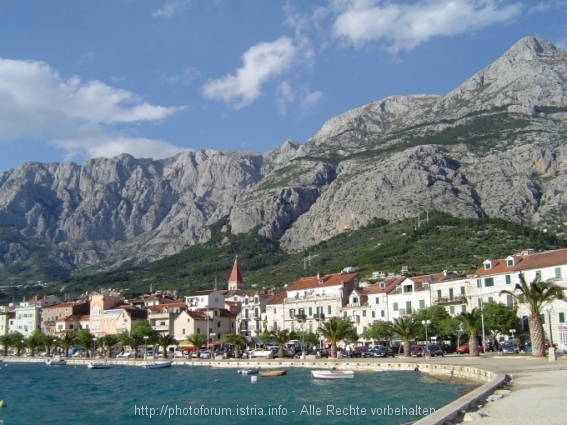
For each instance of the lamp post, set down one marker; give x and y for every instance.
(552, 355)
(426, 323)
(301, 318)
(145, 347)
(212, 337)
(94, 346)
(512, 331)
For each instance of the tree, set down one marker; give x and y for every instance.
(442, 324)
(407, 328)
(142, 328)
(84, 339)
(499, 318)
(164, 340)
(472, 324)
(379, 330)
(280, 338)
(48, 341)
(15, 341)
(108, 342)
(336, 329)
(5, 343)
(197, 340)
(66, 342)
(236, 341)
(134, 341)
(33, 341)
(265, 336)
(535, 296)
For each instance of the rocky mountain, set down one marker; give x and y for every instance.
(495, 146)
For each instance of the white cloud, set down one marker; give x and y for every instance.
(305, 98)
(405, 26)
(172, 8)
(186, 77)
(261, 63)
(36, 103)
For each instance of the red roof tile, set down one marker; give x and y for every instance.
(527, 262)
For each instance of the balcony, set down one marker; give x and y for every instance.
(273, 328)
(355, 319)
(459, 299)
(319, 316)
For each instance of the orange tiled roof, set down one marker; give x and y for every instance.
(326, 280)
(527, 262)
(279, 298)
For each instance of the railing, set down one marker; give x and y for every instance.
(459, 299)
(319, 316)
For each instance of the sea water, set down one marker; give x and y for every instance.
(36, 393)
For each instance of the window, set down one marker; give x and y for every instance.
(561, 317)
(487, 266)
(183, 331)
(542, 318)
(218, 324)
(408, 307)
(489, 281)
(395, 306)
(354, 300)
(463, 291)
(510, 301)
(478, 283)
(363, 313)
(538, 275)
(291, 313)
(508, 279)
(377, 300)
(439, 294)
(373, 314)
(245, 301)
(464, 308)
(557, 272)
(452, 309)
(198, 330)
(451, 293)
(329, 310)
(382, 313)
(421, 304)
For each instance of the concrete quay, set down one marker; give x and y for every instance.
(512, 389)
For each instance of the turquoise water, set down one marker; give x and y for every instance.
(69, 394)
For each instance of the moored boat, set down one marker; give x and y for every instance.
(157, 365)
(56, 361)
(271, 373)
(332, 374)
(249, 370)
(99, 365)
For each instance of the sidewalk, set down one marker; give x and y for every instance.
(536, 395)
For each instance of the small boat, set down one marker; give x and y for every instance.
(332, 374)
(99, 365)
(271, 373)
(249, 370)
(157, 365)
(56, 361)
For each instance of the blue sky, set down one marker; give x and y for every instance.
(82, 79)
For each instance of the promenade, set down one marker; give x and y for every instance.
(533, 395)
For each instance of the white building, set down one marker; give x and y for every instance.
(28, 314)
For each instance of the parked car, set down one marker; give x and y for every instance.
(435, 350)
(448, 348)
(510, 347)
(464, 349)
(369, 352)
(318, 352)
(205, 354)
(417, 350)
(382, 351)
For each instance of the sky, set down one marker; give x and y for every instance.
(81, 79)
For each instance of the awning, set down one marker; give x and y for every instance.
(188, 349)
(185, 343)
(214, 344)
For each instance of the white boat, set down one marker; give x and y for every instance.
(156, 365)
(249, 370)
(56, 361)
(99, 365)
(332, 374)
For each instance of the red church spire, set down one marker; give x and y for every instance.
(235, 277)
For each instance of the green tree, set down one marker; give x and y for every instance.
(336, 329)
(164, 340)
(5, 343)
(134, 341)
(85, 340)
(108, 342)
(280, 338)
(407, 328)
(379, 330)
(49, 341)
(535, 296)
(499, 318)
(66, 341)
(197, 340)
(265, 336)
(236, 341)
(472, 324)
(442, 324)
(33, 341)
(15, 341)
(142, 328)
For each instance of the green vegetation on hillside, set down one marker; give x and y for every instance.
(439, 243)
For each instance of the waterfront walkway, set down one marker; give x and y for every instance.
(535, 393)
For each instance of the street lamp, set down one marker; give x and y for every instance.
(512, 331)
(426, 323)
(552, 356)
(301, 318)
(94, 346)
(212, 336)
(145, 347)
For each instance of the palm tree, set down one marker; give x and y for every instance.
(280, 338)
(33, 341)
(108, 342)
(336, 329)
(5, 343)
(84, 339)
(472, 323)
(407, 328)
(535, 296)
(197, 340)
(15, 341)
(163, 340)
(48, 342)
(236, 341)
(133, 340)
(66, 342)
